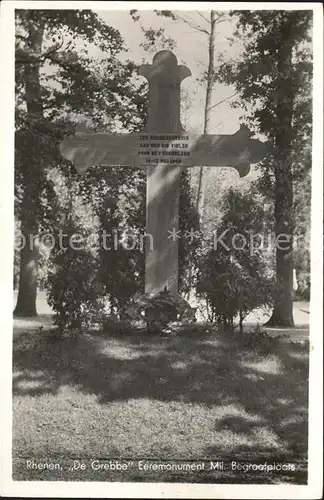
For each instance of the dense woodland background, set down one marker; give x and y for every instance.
(59, 84)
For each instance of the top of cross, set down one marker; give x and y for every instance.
(165, 69)
(164, 77)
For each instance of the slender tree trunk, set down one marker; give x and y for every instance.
(241, 321)
(209, 90)
(200, 200)
(283, 309)
(26, 303)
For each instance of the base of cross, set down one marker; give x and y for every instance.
(160, 310)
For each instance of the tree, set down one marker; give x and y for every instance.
(189, 244)
(55, 77)
(302, 224)
(273, 77)
(214, 18)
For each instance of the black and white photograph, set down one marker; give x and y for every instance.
(162, 270)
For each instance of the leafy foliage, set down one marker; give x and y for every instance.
(234, 277)
(74, 290)
(189, 244)
(121, 211)
(72, 284)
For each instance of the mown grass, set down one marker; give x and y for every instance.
(195, 395)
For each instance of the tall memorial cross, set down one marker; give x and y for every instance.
(164, 149)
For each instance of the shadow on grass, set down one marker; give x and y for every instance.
(260, 385)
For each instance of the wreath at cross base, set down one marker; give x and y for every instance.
(159, 310)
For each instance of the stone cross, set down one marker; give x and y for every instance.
(164, 149)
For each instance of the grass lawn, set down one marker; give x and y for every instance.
(200, 395)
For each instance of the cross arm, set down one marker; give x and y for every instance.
(147, 149)
(238, 150)
(88, 149)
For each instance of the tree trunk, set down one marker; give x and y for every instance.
(283, 309)
(209, 90)
(200, 200)
(26, 303)
(241, 321)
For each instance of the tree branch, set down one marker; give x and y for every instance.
(223, 100)
(202, 63)
(31, 59)
(218, 124)
(220, 19)
(203, 17)
(193, 26)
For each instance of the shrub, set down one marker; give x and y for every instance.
(74, 290)
(234, 279)
(303, 290)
